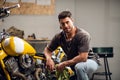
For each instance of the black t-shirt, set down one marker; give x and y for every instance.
(79, 43)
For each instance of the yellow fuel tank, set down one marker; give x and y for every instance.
(15, 46)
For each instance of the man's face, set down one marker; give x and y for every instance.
(66, 24)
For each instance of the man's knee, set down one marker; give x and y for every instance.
(80, 67)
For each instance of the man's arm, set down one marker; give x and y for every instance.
(49, 62)
(82, 57)
(48, 54)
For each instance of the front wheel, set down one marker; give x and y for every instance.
(2, 75)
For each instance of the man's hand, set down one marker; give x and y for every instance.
(50, 64)
(60, 66)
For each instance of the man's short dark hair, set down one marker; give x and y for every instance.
(64, 14)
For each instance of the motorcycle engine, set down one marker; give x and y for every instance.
(27, 64)
(11, 64)
(26, 61)
(21, 67)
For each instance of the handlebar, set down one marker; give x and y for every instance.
(5, 11)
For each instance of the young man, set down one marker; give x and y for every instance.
(75, 43)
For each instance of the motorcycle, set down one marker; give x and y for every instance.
(20, 61)
(17, 57)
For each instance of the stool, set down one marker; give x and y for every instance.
(104, 52)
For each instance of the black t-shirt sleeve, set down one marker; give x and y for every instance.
(83, 42)
(54, 43)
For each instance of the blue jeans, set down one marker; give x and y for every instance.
(84, 70)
